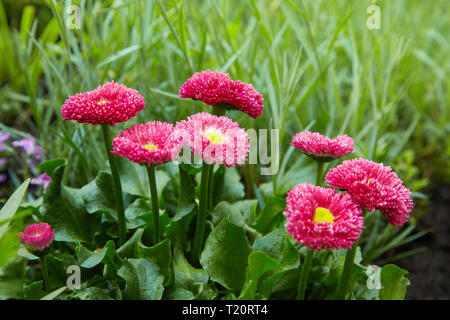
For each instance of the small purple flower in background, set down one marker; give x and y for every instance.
(3, 161)
(30, 146)
(3, 178)
(43, 180)
(3, 137)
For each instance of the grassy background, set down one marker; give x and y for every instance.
(316, 63)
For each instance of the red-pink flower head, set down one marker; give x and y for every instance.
(151, 143)
(110, 103)
(217, 140)
(321, 147)
(217, 88)
(320, 218)
(37, 237)
(373, 186)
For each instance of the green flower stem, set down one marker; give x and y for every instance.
(210, 187)
(319, 177)
(304, 275)
(201, 218)
(117, 186)
(44, 272)
(348, 266)
(154, 196)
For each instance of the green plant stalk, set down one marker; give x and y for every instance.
(210, 187)
(304, 275)
(117, 186)
(217, 110)
(44, 272)
(155, 208)
(320, 166)
(201, 218)
(348, 266)
(346, 273)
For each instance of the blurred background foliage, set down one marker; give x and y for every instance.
(316, 63)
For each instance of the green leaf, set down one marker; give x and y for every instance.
(135, 181)
(50, 165)
(186, 202)
(34, 291)
(138, 213)
(233, 189)
(64, 209)
(89, 259)
(394, 282)
(173, 293)
(258, 264)
(143, 280)
(191, 169)
(92, 293)
(9, 209)
(241, 212)
(160, 254)
(272, 209)
(52, 295)
(98, 195)
(225, 256)
(186, 276)
(278, 246)
(12, 277)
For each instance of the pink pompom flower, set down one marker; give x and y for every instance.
(151, 143)
(320, 218)
(214, 88)
(110, 103)
(373, 186)
(37, 237)
(322, 148)
(217, 140)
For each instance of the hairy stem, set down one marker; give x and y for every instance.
(201, 218)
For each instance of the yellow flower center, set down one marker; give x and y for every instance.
(102, 102)
(214, 137)
(323, 215)
(151, 147)
(368, 181)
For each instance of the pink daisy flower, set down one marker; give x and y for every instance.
(218, 140)
(152, 143)
(217, 88)
(110, 103)
(321, 218)
(321, 147)
(373, 186)
(37, 237)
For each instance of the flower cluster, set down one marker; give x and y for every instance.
(322, 218)
(373, 186)
(215, 88)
